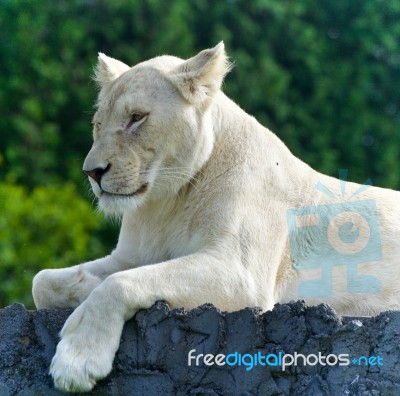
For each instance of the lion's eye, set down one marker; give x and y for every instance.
(135, 117)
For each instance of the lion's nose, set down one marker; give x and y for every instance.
(97, 173)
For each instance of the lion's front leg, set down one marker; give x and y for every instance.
(68, 287)
(90, 337)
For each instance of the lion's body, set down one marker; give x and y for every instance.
(207, 216)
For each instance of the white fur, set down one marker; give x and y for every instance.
(211, 226)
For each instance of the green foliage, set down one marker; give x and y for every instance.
(324, 75)
(50, 227)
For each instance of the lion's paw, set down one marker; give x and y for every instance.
(85, 352)
(77, 368)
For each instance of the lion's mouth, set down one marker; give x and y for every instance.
(143, 188)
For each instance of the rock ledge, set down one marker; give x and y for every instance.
(153, 355)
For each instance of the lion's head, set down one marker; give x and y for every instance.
(152, 130)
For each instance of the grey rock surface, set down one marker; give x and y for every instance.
(153, 355)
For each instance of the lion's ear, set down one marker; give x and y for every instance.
(200, 77)
(108, 69)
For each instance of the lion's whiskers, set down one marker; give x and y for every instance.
(175, 173)
(182, 177)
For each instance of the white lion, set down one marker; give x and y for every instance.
(206, 193)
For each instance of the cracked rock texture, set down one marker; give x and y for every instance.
(153, 355)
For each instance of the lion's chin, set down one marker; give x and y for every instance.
(141, 190)
(117, 205)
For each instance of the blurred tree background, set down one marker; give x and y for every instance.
(324, 75)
